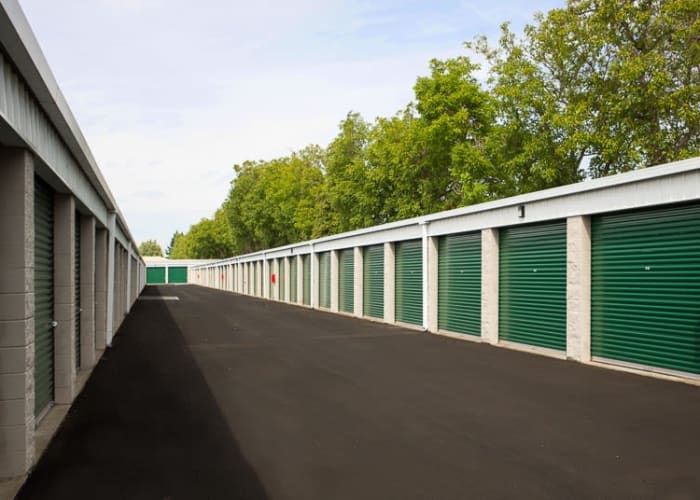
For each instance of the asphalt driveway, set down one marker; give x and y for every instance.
(217, 395)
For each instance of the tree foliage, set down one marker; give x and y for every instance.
(612, 82)
(150, 248)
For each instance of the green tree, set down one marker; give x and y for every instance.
(180, 246)
(208, 239)
(150, 248)
(349, 200)
(274, 203)
(615, 80)
(176, 235)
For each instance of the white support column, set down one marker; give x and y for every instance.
(102, 310)
(334, 281)
(314, 278)
(64, 298)
(128, 279)
(358, 284)
(578, 288)
(389, 283)
(431, 315)
(489, 285)
(87, 291)
(111, 228)
(17, 328)
(426, 272)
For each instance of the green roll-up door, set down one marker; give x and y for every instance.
(177, 275)
(346, 281)
(155, 275)
(373, 281)
(532, 285)
(77, 290)
(408, 280)
(282, 279)
(459, 283)
(645, 287)
(293, 280)
(43, 296)
(306, 270)
(324, 280)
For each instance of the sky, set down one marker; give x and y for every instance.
(171, 94)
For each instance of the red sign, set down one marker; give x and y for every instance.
(273, 277)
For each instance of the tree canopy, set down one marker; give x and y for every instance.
(150, 248)
(613, 85)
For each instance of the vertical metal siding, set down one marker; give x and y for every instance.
(293, 279)
(373, 282)
(76, 284)
(324, 280)
(459, 283)
(532, 285)
(346, 281)
(645, 287)
(306, 270)
(408, 279)
(43, 296)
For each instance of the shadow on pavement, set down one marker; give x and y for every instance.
(145, 426)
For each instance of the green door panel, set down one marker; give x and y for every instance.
(293, 280)
(155, 275)
(77, 290)
(177, 275)
(43, 296)
(645, 287)
(306, 270)
(459, 283)
(532, 285)
(408, 279)
(373, 282)
(324, 280)
(346, 281)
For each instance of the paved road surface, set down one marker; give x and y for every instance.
(223, 396)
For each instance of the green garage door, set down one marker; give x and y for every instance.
(282, 279)
(155, 275)
(408, 279)
(645, 287)
(373, 282)
(293, 280)
(459, 283)
(324, 280)
(177, 275)
(532, 285)
(346, 281)
(306, 270)
(77, 290)
(43, 296)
